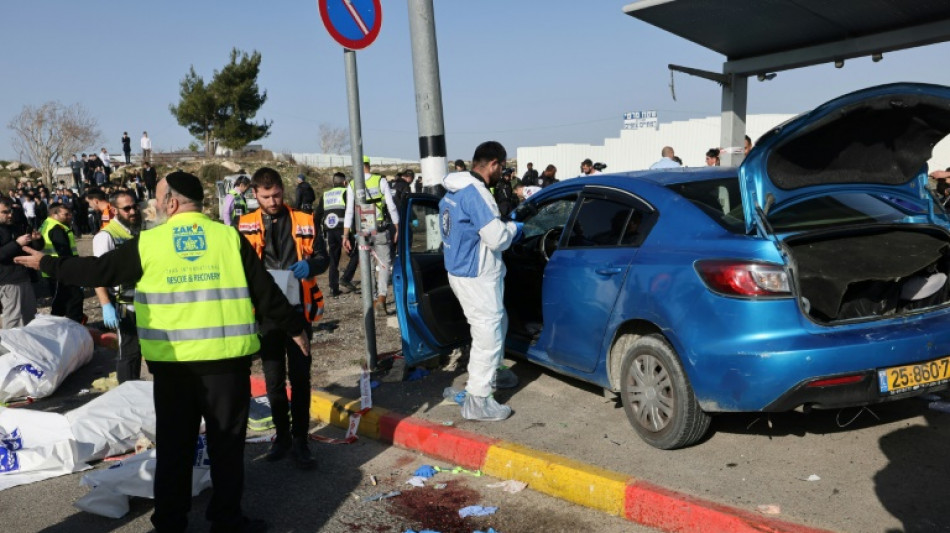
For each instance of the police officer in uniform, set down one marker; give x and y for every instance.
(198, 285)
(329, 214)
(380, 196)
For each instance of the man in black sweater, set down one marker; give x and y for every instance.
(16, 289)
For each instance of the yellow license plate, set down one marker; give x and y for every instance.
(909, 377)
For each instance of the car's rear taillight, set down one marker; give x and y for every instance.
(744, 278)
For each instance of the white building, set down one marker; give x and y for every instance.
(637, 149)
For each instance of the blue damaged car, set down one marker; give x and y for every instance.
(815, 275)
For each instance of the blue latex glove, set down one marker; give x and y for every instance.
(520, 233)
(425, 471)
(300, 269)
(109, 317)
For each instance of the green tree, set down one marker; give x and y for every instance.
(197, 110)
(223, 109)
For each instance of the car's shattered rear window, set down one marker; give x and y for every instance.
(720, 199)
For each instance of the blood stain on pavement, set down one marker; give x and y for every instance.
(431, 508)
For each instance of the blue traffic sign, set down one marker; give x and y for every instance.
(352, 23)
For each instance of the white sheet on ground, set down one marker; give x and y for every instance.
(112, 487)
(41, 355)
(110, 424)
(35, 445)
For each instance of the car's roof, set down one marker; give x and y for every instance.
(661, 177)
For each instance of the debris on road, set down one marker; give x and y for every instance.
(426, 471)
(512, 486)
(416, 481)
(460, 470)
(382, 496)
(771, 508)
(476, 510)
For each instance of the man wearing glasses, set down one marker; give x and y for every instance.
(118, 309)
(16, 291)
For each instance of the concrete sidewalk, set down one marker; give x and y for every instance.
(636, 500)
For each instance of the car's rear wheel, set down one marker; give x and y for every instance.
(657, 397)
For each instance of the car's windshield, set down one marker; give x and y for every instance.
(551, 214)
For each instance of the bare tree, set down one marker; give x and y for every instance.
(334, 140)
(53, 132)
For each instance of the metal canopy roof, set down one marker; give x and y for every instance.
(767, 35)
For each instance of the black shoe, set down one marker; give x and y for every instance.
(335, 293)
(348, 286)
(244, 525)
(302, 455)
(278, 449)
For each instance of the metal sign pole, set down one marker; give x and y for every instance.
(359, 226)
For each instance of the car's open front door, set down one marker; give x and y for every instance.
(430, 318)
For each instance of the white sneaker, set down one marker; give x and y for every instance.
(484, 408)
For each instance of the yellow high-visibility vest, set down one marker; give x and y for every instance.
(48, 247)
(193, 303)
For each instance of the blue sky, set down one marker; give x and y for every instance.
(525, 73)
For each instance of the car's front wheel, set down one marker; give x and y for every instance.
(657, 397)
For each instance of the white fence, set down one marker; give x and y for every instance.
(339, 160)
(638, 149)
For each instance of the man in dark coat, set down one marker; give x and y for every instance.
(150, 178)
(305, 197)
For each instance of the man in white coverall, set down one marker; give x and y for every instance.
(473, 237)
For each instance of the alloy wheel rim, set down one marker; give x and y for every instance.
(650, 390)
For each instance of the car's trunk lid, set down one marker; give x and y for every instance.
(876, 141)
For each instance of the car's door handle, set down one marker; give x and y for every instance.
(608, 271)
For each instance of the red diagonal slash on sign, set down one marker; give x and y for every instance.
(356, 16)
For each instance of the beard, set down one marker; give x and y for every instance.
(127, 222)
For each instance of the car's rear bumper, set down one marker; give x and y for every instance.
(864, 392)
(739, 367)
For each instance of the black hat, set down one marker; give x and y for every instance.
(186, 185)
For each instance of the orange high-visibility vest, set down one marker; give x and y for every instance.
(251, 226)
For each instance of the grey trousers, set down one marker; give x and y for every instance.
(19, 304)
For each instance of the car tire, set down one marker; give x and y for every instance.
(657, 397)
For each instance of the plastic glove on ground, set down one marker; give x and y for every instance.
(426, 471)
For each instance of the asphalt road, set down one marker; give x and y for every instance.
(881, 470)
(328, 500)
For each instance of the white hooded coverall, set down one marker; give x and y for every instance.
(473, 237)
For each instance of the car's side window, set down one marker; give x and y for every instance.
(424, 232)
(604, 222)
(553, 214)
